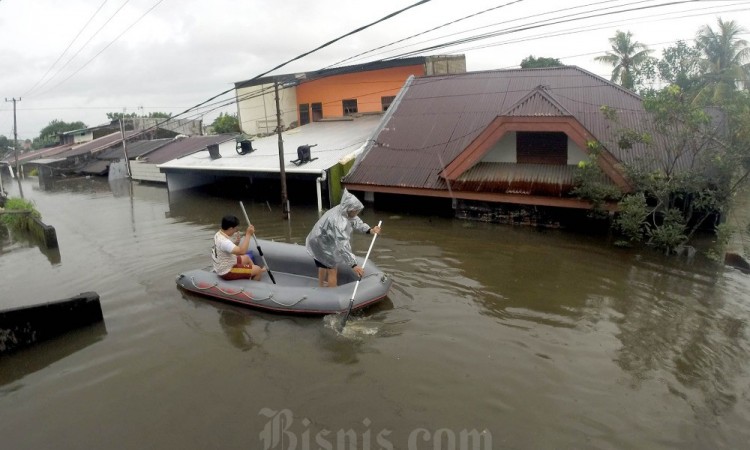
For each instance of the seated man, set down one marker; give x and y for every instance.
(231, 261)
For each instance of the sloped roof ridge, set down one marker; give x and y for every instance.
(537, 69)
(539, 91)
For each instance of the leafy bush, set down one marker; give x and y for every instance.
(19, 221)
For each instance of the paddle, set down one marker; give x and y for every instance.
(351, 302)
(268, 269)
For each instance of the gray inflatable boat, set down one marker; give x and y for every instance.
(296, 289)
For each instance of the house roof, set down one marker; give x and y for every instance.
(98, 144)
(437, 118)
(36, 154)
(182, 146)
(307, 76)
(135, 149)
(333, 141)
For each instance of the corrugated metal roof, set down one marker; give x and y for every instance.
(36, 154)
(439, 116)
(135, 149)
(180, 147)
(97, 145)
(527, 179)
(333, 140)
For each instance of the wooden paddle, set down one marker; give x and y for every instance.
(351, 302)
(268, 269)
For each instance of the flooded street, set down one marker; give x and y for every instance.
(499, 336)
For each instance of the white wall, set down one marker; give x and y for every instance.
(575, 153)
(504, 150)
(257, 113)
(144, 171)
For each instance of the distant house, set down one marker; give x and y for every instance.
(331, 93)
(482, 141)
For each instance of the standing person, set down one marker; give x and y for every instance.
(230, 258)
(329, 240)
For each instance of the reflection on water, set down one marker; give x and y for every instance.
(545, 338)
(31, 359)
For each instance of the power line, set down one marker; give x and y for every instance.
(66, 48)
(82, 47)
(355, 31)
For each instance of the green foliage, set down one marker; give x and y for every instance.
(631, 220)
(701, 162)
(724, 232)
(530, 62)
(670, 233)
(724, 62)
(226, 123)
(159, 115)
(112, 116)
(49, 135)
(627, 58)
(19, 221)
(591, 185)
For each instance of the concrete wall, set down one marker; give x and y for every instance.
(143, 171)
(256, 108)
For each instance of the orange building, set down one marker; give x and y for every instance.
(350, 93)
(332, 93)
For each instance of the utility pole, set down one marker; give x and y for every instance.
(125, 148)
(15, 130)
(282, 172)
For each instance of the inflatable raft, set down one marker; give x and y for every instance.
(296, 289)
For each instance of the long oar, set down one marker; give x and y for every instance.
(268, 269)
(351, 302)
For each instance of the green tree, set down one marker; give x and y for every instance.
(681, 65)
(530, 62)
(226, 123)
(725, 60)
(159, 115)
(112, 116)
(49, 134)
(4, 144)
(627, 58)
(703, 161)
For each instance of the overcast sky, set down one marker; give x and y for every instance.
(79, 59)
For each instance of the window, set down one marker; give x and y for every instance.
(304, 113)
(386, 101)
(541, 148)
(350, 106)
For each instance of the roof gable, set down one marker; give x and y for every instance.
(537, 103)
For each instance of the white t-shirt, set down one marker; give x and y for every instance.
(221, 253)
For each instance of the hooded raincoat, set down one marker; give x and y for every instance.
(329, 240)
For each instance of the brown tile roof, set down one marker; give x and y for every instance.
(435, 118)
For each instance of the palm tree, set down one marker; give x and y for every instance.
(626, 58)
(725, 62)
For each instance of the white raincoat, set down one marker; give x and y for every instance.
(328, 241)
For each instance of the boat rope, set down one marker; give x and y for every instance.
(225, 292)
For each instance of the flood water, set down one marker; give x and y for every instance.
(492, 337)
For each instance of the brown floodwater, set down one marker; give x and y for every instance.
(492, 336)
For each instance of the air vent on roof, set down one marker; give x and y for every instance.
(245, 146)
(213, 151)
(303, 155)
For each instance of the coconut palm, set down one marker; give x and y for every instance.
(726, 59)
(626, 58)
